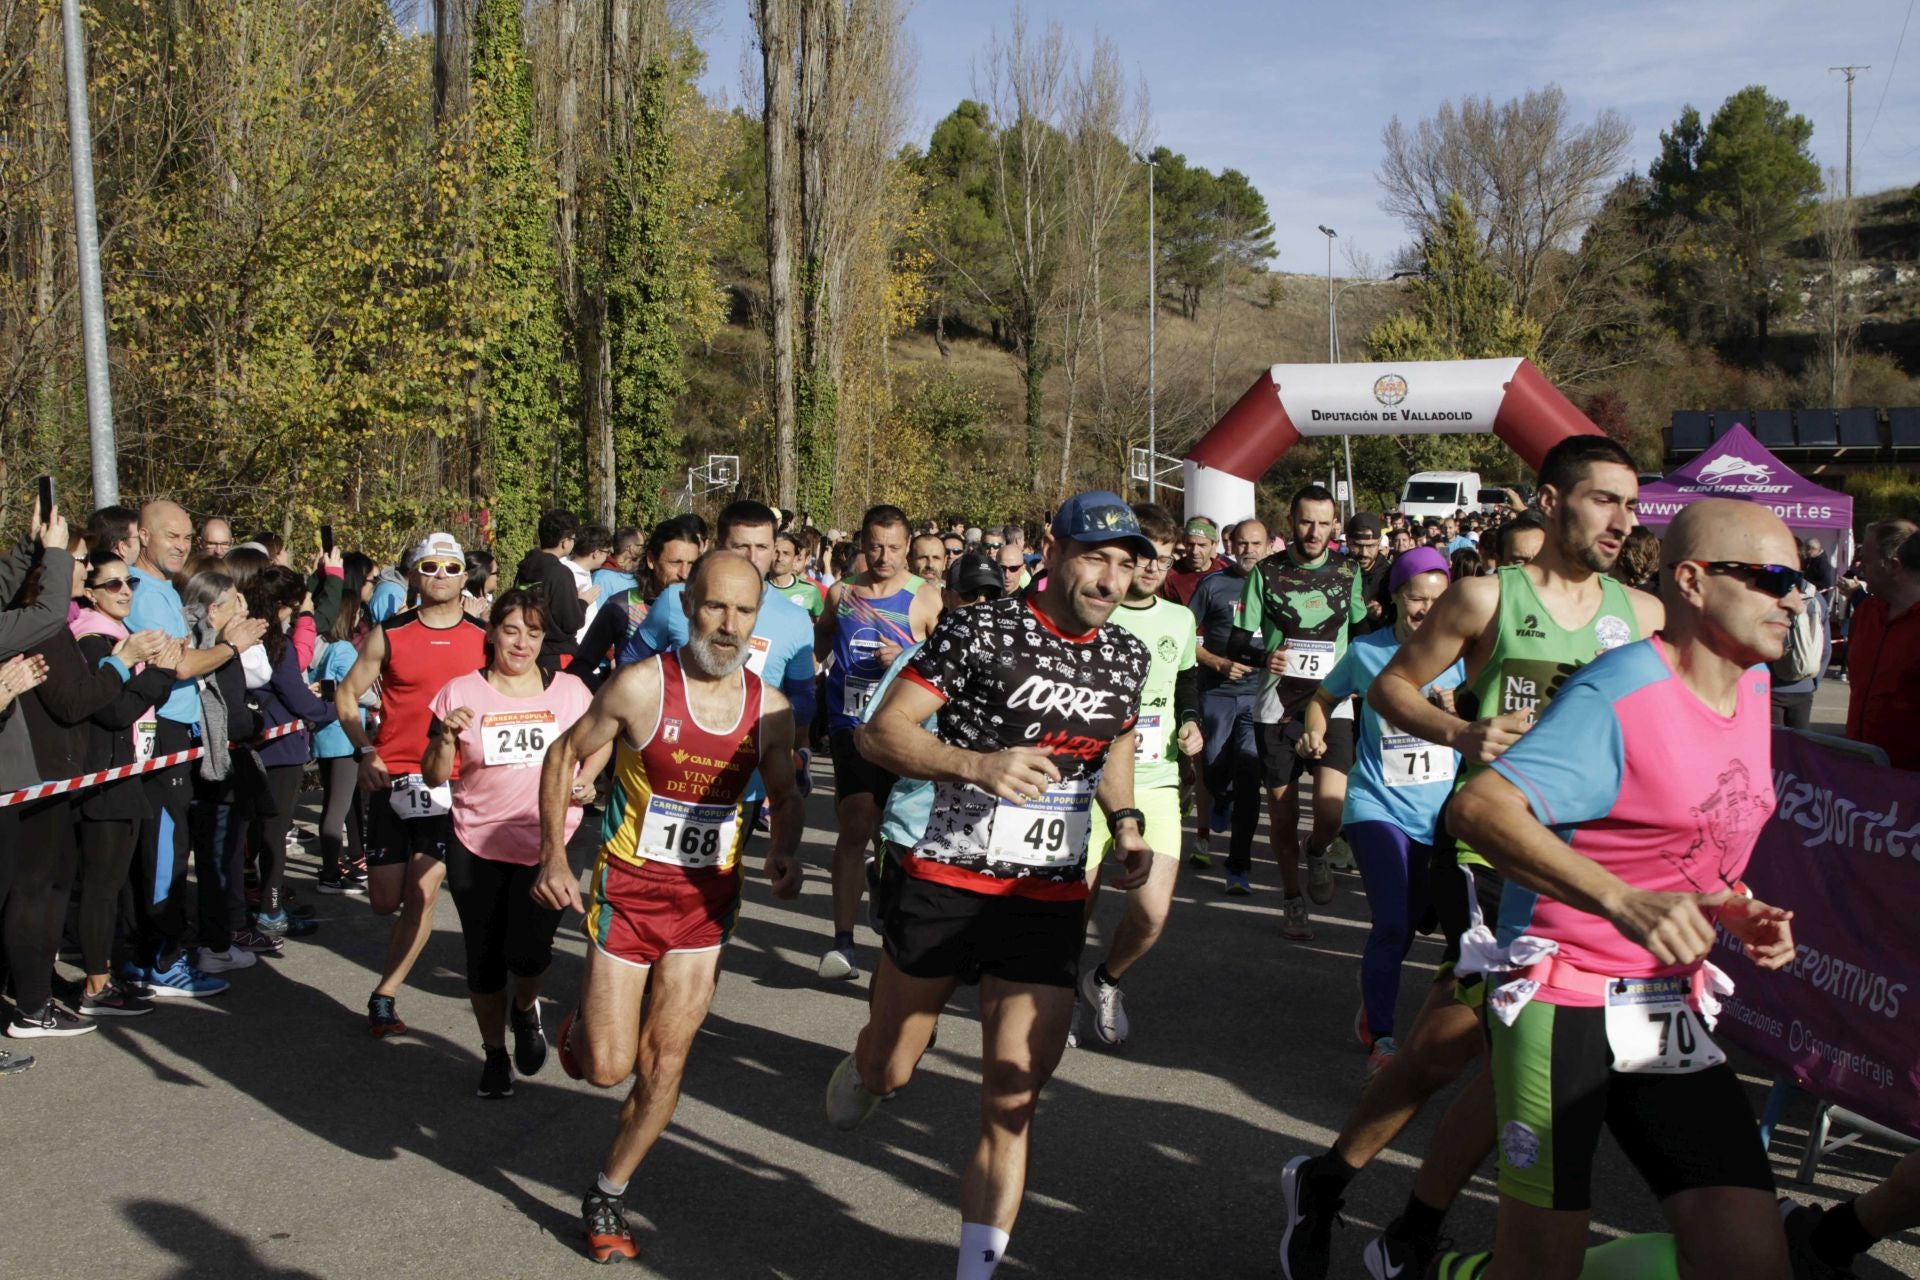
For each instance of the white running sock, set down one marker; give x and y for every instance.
(609, 1187)
(981, 1248)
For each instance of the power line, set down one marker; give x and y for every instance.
(1888, 82)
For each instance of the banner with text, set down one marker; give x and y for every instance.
(1842, 852)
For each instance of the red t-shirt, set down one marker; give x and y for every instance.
(1883, 674)
(420, 661)
(1180, 583)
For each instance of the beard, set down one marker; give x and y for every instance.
(707, 655)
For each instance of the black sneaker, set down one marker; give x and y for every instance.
(1306, 1249)
(1799, 1220)
(113, 1001)
(1394, 1254)
(12, 1064)
(496, 1077)
(529, 1039)
(331, 885)
(51, 1020)
(605, 1219)
(381, 1018)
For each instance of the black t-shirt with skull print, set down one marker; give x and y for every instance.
(1010, 678)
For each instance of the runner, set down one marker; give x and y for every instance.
(1825, 1242)
(1516, 633)
(1364, 544)
(1196, 560)
(1299, 603)
(496, 725)
(927, 558)
(870, 617)
(1398, 786)
(1655, 764)
(1036, 697)
(413, 655)
(1520, 539)
(787, 579)
(1169, 717)
(668, 557)
(666, 885)
(1229, 697)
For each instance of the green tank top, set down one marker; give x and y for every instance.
(1533, 655)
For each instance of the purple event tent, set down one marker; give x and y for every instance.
(1738, 466)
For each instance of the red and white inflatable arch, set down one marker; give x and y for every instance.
(1509, 398)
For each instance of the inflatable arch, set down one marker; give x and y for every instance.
(1509, 398)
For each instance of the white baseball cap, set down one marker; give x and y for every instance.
(437, 546)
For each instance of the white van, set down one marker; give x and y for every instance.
(1440, 493)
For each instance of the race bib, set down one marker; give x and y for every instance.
(688, 835)
(1049, 832)
(517, 738)
(1309, 659)
(145, 734)
(757, 649)
(1652, 1027)
(411, 797)
(1149, 740)
(1407, 761)
(855, 697)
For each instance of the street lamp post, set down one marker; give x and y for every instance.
(93, 307)
(1333, 352)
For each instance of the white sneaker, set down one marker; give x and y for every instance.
(848, 1102)
(839, 964)
(1294, 924)
(1319, 878)
(1108, 1010)
(1340, 854)
(225, 961)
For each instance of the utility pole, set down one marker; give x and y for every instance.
(1333, 353)
(1153, 316)
(1850, 73)
(93, 307)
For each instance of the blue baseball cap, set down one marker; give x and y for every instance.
(1098, 517)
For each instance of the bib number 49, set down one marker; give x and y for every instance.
(1046, 835)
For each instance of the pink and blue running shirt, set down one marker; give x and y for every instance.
(1634, 771)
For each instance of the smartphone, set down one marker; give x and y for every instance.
(46, 496)
(326, 538)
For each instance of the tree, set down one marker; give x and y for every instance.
(958, 173)
(774, 23)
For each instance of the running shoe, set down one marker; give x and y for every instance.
(381, 1019)
(496, 1075)
(1799, 1220)
(227, 960)
(1319, 877)
(606, 1222)
(113, 1001)
(50, 1021)
(1294, 925)
(1239, 884)
(12, 1064)
(1460, 1266)
(1340, 853)
(529, 1039)
(133, 980)
(261, 944)
(839, 964)
(1073, 1024)
(1306, 1250)
(1200, 853)
(1395, 1255)
(1361, 1031)
(568, 1065)
(182, 981)
(331, 885)
(848, 1102)
(1108, 1009)
(1382, 1052)
(284, 925)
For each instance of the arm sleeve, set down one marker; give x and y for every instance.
(136, 696)
(31, 625)
(1186, 695)
(301, 640)
(329, 591)
(1357, 599)
(942, 663)
(1252, 597)
(75, 689)
(564, 609)
(1569, 766)
(13, 569)
(292, 690)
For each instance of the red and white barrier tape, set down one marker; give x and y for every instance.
(41, 790)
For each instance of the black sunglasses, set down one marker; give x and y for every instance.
(993, 546)
(110, 584)
(1777, 580)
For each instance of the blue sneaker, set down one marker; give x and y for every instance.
(135, 979)
(181, 981)
(1239, 884)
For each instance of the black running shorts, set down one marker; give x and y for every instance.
(934, 930)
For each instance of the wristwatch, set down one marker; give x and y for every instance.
(1118, 816)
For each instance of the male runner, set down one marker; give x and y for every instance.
(787, 579)
(666, 885)
(1519, 632)
(1365, 544)
(1229, 692)
(413, 655)
(1300, 602)
(1197, 559)
(927, 558)
(1036, 697)
(1519, 540)
(1169, 716)
(870, 617)
(1654, 768)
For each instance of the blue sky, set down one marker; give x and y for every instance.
(1295, 94)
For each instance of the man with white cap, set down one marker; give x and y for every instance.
(413, 655)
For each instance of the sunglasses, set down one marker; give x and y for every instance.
(112, 584)
(440, 569)
(993, 546)
(1776, 580)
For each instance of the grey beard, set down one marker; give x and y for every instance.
(705, 657)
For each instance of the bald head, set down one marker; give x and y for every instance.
(1727, 529)
(722, 601)
(1730, 611)
(166, 537)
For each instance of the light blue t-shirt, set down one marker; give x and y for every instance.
(334, 664)
(910, 801)
(611, 583)
(156, 606)
(1383, 754)
(389, 597)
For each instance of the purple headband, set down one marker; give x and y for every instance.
(1417, 561)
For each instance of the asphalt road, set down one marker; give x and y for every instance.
(265, 1134)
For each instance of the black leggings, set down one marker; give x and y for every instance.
(37, 910)
(106, 852)
(343, 818)
(506, 931)
(283, 791)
